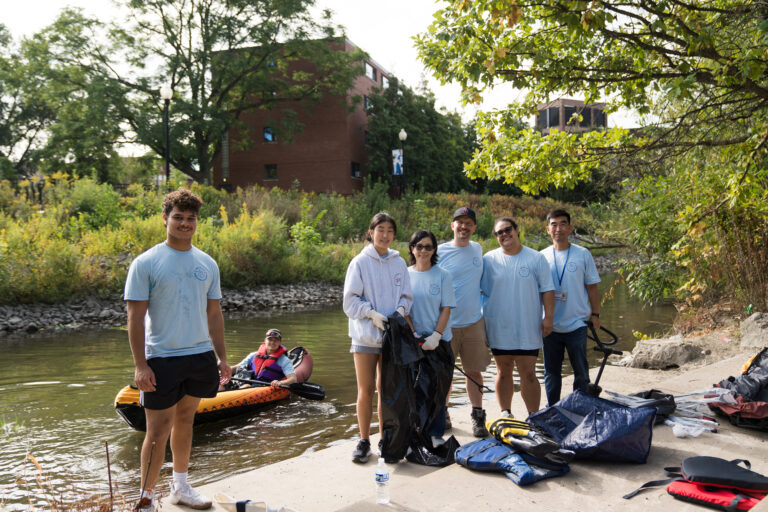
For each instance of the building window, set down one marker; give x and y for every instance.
(384, 81)
(554, 116)
(270, 172)
(569, 112)
(367, 103)
(586, 118)
(599, 116)
(355, 170)
(269, 135)
(370, 71)
(543, 121)
(367, 140)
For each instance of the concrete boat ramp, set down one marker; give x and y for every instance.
(327, 480)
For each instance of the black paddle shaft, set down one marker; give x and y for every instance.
(307, 390)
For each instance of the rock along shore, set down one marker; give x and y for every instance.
(91, 313)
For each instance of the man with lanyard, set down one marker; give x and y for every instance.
(577, 300)
(175, 324)
(463, 259)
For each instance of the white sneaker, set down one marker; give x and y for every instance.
(144, 505)
(186, 495)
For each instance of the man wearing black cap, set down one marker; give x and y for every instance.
(463, 259)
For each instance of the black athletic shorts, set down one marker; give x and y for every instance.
(196, 375)
(500, 352)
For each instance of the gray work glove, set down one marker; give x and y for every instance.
(431, 341)
(379, 320)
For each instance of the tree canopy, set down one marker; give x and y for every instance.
(697, 70)
(221, 59)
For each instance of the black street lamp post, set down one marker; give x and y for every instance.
(402, 136)
(166, 93)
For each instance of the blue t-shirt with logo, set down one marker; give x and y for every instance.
(512, 288)
(577, 268)
(177, 285)
(465, 264)
(432, 291)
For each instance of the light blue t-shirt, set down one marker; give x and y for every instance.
(512, 287)
(577, 269)
(285, 364)
(465, 264)
(177, 285)
(432, 291)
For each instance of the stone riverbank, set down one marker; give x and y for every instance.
(91, 313)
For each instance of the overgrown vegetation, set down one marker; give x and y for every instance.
(80, 239)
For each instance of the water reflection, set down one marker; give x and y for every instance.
(57, 392)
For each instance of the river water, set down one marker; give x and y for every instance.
(57, 393)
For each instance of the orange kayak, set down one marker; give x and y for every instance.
(224, 405)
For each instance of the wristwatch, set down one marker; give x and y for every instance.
(595, 314)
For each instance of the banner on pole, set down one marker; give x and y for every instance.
(397, 162)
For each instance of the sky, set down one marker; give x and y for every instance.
(384, 29)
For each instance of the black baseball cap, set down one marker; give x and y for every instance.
(274, 333)
(465, 211)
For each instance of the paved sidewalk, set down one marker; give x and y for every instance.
(327, 480)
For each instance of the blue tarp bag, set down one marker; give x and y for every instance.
(598, 429)
(492, 455)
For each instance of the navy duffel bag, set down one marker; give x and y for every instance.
(598, 429)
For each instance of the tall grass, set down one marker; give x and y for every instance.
(80, 238)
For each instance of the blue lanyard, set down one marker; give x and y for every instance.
(554, 257)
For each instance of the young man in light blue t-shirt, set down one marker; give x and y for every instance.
(463, 259)
(577, 301)
(175, 324)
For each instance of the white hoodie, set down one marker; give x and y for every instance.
(377, 283)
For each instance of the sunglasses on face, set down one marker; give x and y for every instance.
(507, 230)
(420, 247)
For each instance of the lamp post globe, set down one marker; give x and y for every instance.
(166, 93)
(402, 135)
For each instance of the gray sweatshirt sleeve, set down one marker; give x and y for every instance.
(354, 305)
(406, 296)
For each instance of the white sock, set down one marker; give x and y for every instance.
(146, 494)
(180, 479)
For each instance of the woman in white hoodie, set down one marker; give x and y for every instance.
(377, 285)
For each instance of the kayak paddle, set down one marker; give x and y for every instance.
(307, 390)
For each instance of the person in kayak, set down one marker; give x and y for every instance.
(176, 332)
(376, 286)
(269, 363)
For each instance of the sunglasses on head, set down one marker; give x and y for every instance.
(507, 230)
(420, 247)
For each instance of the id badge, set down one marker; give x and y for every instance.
(560, 296)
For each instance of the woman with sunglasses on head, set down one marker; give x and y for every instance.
(433, 299)
(516, 284)
(377, 284)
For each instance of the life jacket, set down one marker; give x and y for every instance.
(265, 365)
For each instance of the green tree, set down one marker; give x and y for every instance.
(222, 58)
(695, 174)
(437, 146)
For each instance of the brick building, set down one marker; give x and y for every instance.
(557, 113)
(329, 155)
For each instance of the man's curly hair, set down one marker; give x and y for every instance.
(183, 199)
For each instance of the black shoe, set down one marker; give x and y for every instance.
(478, 422)
(362, 452)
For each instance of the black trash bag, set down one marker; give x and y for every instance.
(598, 429)
(414, 384)
(430, 387)
(664, 403)
(400, 354)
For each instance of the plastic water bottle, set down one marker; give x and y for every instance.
(382, 483)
